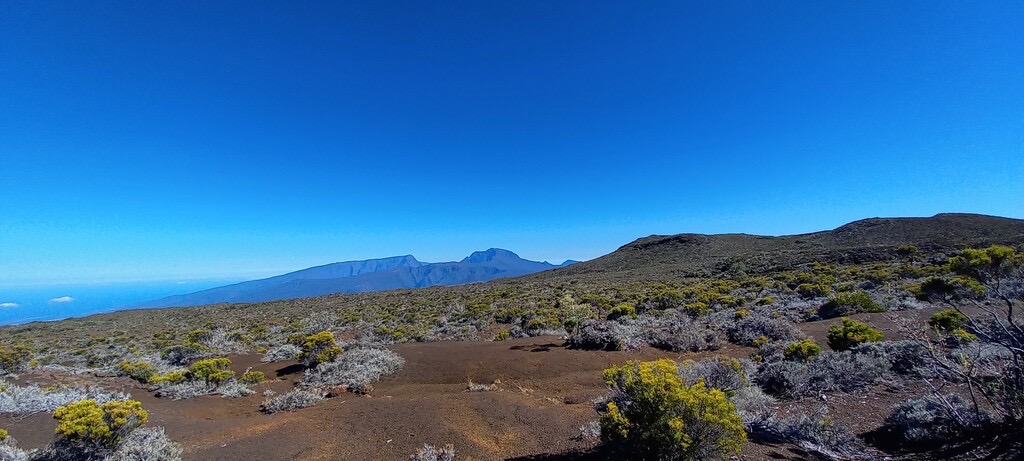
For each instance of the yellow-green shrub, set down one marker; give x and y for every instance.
(252, 377)
(93, 425)
(947, 320)
(3, 435)
(663, 418)
(140, 371)
(14, 357)
(502, 335)
(319, 348)
(622, 310)
(213, 371)
(850, 333)
(171, 377)
(804, 349)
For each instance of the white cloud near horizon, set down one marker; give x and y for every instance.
(3, 305)
(62, 299)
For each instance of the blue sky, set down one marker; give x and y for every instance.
(185, 140)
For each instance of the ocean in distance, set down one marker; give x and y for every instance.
(60, 301)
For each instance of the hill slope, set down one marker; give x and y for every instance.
(870, 239)
(363, 276)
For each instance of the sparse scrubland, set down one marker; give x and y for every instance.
(760, 348)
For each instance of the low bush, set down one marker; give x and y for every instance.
(355, 369)
(292, 400)
(816, 435)
(282, 352)
(655, 415)
(600, 335)
(431, 453)
(140, 371)
(722, 373)
(22, 400)
(680, 334)
(804, 350)
(147, 444)
(851, 333)
(848, 303)
(183, 354)
(234, 389)
(748, 330)
(834, 371)
(93, 426)
(211, 371)
(502, 335)
(622, 310)
(930, 419)
(903, 357)
(171, 377)
(947, 320)
(319, 348)
(251, 377)
(14, 357)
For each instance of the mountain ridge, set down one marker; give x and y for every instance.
(362, 276)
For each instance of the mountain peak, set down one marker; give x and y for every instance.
(491, 254)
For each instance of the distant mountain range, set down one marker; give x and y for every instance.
(362, 276)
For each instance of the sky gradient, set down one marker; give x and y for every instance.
(188, 140)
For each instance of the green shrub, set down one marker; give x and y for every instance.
(171, 377)
(906, 250)
(962, 336)
(851, 333)
(848, 303)
(697, 308)
(657, 416)
(14, 357)
(622, 310)
(741, 314)
(140, 371)
(502, 335)
(319, 348)
(804, 349)
(252, 377)
(765, 301)
(88, 424)
(947, 320)
(813, 290)
(213, 371)
(3, 435)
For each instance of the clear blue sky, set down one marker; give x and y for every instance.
(149, 140)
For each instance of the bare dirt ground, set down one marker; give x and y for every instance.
(544, 395)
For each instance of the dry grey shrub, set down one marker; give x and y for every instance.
(746, 331)
(319, 321)
(355, 368)
(932, 419)
(844, 371)
(724, 374)
(818, 435)
(282, 352)
(12, 453)
(234, 389)
(432, 453)
(291, 400)
(186, 390)
(147, 444)
(670, 331)
(25, 400)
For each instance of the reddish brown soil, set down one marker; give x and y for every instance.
(544, 394)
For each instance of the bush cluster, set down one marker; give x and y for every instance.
(319, 348)
(850, 333)
(655, 415)
(848, 303)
